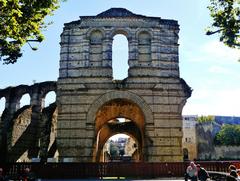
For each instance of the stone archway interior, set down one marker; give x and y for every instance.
(120, 148)
(106, 124)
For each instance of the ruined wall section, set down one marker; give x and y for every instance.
(19, 127)
(48, 127)
(87, 43)
(85, 76)
(207, 150)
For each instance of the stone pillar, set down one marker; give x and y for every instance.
(107, 52)
(133, 52)
(37, 104)
(155, 44)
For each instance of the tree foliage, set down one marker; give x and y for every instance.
(228, 135)
(226, 21)
(203, 119)
(21, 21)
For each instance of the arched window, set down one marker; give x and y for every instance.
(185, 154)
(96, 38)
(25, 100)
(119, 147)
(49, 98)
(144, 48)
(2, 105)
(120, 57)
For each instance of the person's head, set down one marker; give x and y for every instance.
(192, 164)
(198, 167)
(232, 167)
(27, 170)
(234, 173)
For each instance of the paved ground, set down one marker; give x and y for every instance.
(162, 179)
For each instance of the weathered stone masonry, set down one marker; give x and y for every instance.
(89, 100)
(22, 130)
(152, 95)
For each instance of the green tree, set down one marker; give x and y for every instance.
(21, 22)
(228, 135)
(226, 21)
(203, 119)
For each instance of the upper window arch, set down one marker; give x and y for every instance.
(49, 98)
(120, 53)
(123, 32)
(24, 100)
(96, 37)
(144, 38)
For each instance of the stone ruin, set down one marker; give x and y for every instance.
(89, 100)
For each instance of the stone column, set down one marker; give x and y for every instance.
(133, 52)
(37, 104)
(155, 55)
(107, 52)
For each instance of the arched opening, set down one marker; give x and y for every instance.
(185, 154)
(115, 117)
(2, 105)
(120, 57)
(119, 147)
(49, 99)
(25, 100)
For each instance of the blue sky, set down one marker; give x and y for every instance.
(209, 67)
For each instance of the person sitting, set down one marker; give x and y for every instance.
(191, 172)
(234, 174)
(1, 174)
(202, 173)
(232, 167)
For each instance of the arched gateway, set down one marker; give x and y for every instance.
(151, 97)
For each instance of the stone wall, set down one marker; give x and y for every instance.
(227, 152)
(153, 84)
(189, 141)
(206, 148)
(151, 97)
(21, 128)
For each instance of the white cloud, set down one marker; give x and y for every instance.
(226, 71)
(214, 51)
(214, 102)
(219, 70)
(220, 51)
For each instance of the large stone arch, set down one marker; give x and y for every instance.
(142, 116)
(108, 130)
(91, 115)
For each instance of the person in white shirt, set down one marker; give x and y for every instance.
(191, 172)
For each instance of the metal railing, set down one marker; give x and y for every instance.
(111, 169)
